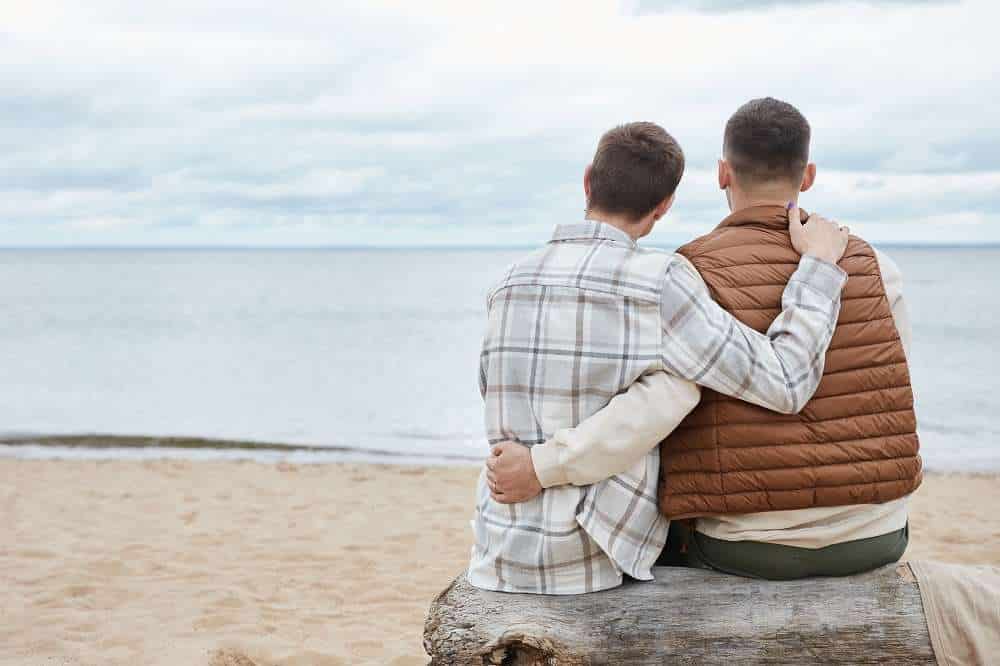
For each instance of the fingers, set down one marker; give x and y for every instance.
(501, 498)
(818, 220)
(499, 465)
(794, 214)
(499, 448)
(507, 497)
(797, 229)
(497, 491)
(794, 221)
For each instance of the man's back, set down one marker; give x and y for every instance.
(570, 326)
(854, 443)
(821, 527)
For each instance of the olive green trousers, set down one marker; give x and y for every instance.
(751, 559)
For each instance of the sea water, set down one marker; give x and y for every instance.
(367, 350)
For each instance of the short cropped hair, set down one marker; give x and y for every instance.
(767, 140)
(635, 168)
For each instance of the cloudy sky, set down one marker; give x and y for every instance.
(453, 122)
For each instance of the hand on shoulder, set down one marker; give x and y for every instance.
(817, 237)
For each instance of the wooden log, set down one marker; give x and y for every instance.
(687, 616)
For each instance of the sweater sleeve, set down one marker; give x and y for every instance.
(892, 279)
(619, 435)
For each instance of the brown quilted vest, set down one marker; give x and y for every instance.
(855, 442)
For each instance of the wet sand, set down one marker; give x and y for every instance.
(242, 564)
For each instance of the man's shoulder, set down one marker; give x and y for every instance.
(892, 276)
(523, 264)
(637, 272)
(697, 244)
(886, 263)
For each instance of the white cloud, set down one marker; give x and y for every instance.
(659, 6)
(303, 122)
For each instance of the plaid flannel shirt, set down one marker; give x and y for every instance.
(577, 322)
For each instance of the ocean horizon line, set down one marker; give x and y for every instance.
(914, 245)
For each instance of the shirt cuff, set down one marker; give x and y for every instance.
(822, 276)
(545, 458)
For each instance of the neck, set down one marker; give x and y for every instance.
(776, 196)
(633, 229)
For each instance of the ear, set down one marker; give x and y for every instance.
(725, 175)
(808, 178)
(662, 208)
(655, 215)
(586, 181)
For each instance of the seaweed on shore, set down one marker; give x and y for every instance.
(104, 441)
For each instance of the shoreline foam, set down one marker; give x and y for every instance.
(98, 446)
(103, 446)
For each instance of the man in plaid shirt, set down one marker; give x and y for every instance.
(578, 321)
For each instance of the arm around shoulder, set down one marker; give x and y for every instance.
(780, 369)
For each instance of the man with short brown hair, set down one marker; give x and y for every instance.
(772, 496)
(590, 314)
(633, 166)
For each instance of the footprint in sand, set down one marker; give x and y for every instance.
(34, 554)
(211, 621)
(229, 602)
(408, 661)
(230, 658)
(79, 590)
(366, 648)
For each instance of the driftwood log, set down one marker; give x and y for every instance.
(687, 616)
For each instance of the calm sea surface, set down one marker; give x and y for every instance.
(374, 350)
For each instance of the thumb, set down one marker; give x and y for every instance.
(795, 225)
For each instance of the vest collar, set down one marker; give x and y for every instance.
(770, 217)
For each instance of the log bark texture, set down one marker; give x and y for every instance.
(687, 616)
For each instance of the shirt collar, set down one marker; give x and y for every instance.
(591, 230)
(770, 217)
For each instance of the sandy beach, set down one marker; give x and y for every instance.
(241, 564)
